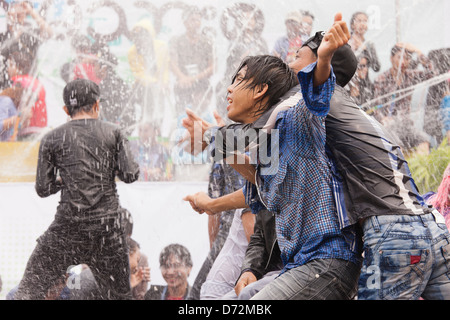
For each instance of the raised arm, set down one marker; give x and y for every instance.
(336, 37)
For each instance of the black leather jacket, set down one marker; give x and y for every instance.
(263, 254)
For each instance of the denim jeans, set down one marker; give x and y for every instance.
(405, 257)
(322, 279)
(253, 288)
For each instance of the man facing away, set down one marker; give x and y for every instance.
(82, 158)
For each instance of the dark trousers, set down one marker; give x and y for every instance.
(100, 245)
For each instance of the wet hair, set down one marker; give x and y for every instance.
(178, 251)
(270, 70)
(73, 111)
(307, 13)
(353, 18)
(133, 246)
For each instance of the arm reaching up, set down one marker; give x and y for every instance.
(336, 37)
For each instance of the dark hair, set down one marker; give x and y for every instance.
(133, 246)
(270, 70)
(75, 110)
(307, 13)
(178, 251)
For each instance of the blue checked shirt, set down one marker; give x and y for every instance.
(300, 192)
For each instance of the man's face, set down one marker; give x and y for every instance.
(401, 60)
(363, 68)
(360, 24)
(240, 99)
(174, 272)
(134, 261)
(303, 58)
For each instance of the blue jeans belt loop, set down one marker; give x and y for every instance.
(375, 223)
(423, 218)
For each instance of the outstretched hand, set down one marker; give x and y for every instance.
(200, 202)
(196, 128)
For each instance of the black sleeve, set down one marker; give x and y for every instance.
(46, 183)
(256, 255)
(127, 168)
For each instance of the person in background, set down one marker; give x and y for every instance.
(394, 89)
(246, 41)
(149, 60)
(176, 264)
(306, 25)
(21, 35)
(116, 106)
(33, 106)
(361, 88)
(9, 115)
(286, 46)
(358, 42)
(153, 157)
(192, 63)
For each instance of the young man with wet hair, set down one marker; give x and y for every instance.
(380, 197)
(318, 262)
(82, 158)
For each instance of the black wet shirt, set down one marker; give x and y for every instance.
(87, 154)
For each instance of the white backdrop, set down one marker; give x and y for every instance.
(160, 216)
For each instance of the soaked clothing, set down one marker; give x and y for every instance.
(88, 226)
(371, 163)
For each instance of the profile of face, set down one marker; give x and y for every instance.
(175, 272)
(240, 99)
(134, 260)
(360, 24)
(303, 58)
(363, 68)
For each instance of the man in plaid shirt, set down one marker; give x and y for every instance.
(318, 262)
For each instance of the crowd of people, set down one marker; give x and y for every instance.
(339, 218)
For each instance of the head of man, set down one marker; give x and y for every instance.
(307, 23)
(82, 96)
(400, 58)
(359, 22)
(344, 61)
(176, 264)
(259, 83)
(293, 24)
